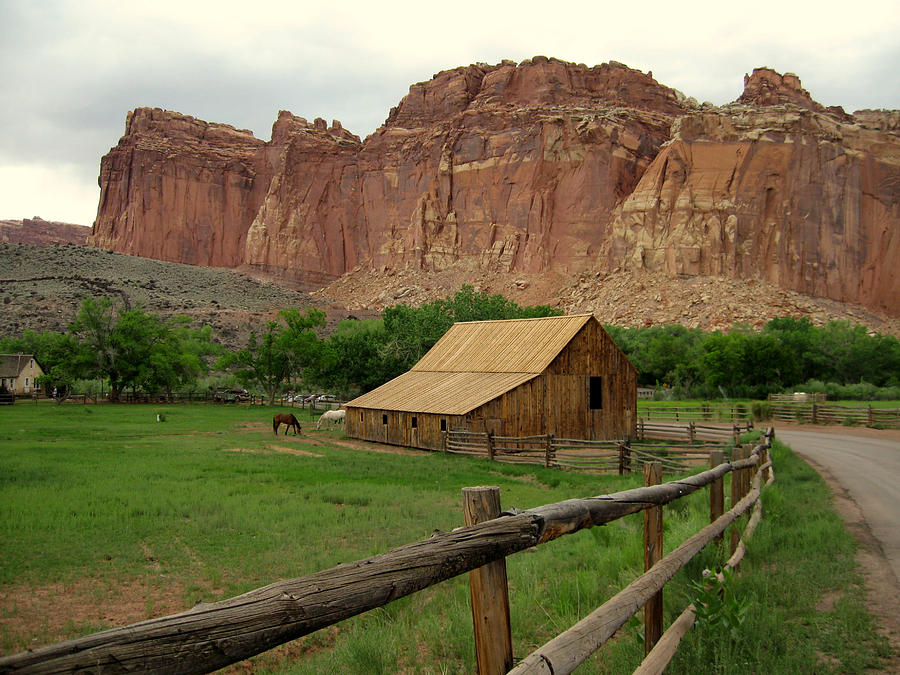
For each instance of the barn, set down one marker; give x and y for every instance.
(562, 375)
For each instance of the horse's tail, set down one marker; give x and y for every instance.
(275, 426)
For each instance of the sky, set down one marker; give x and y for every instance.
(71, 70)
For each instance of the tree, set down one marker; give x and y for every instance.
(299, 340)
(132, 348)
(356, 358)
(264, 362)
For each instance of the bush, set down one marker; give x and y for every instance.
(762, 410)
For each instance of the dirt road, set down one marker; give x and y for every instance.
(868, 468)
(862, 466)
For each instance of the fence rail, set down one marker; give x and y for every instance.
(688, 445)
(704, 412)
(822, 413)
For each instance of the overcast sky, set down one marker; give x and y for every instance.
(71, 70)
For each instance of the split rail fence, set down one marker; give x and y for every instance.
(215, 635)
(692, 445)
(704, 412)
(823, 413)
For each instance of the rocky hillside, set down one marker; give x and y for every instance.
(41, 288)
(549, 170)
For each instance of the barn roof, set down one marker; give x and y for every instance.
(473, 363)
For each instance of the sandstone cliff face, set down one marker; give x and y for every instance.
(542, 167)
(507, 167)
(789, 196)
(179, 189)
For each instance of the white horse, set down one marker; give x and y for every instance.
(333, 416)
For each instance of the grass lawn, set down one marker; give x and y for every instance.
(108, 516)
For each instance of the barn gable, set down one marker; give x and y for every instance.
(516, 376)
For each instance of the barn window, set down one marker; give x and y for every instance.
(443, 424)
(415, 422)
(596, 393)
(362, 416)
(384, 418)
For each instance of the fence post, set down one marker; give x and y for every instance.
(716, 489)
(490, 444)
(869, 416)
(763, 459)
(446, 434)
(489, 591)
(814, 418)
(692, 431)
(548, 451)
(737, 487)
(640, 428)
(653, 546)
(624, 456)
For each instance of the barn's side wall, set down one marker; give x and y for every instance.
(397, 427)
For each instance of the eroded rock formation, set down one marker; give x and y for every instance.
(537, 167)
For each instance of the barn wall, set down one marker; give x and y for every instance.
(557, 401)
(368, 425)
(592, 352)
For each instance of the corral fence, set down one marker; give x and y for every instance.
(688, 445)
(215, 635)
(823, 413)
(703, 412)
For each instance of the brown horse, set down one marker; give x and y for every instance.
(288, 420)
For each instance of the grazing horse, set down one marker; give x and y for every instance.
(333, 416)
(288, 420)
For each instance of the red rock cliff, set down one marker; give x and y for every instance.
(530, 167)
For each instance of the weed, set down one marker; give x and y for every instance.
(718, 610)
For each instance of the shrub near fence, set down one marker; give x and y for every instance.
(215, 635)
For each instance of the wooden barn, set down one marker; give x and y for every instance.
(562, 375)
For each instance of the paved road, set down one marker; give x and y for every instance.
(869, 469)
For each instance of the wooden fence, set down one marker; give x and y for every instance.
(215, 635)
(704, 412)
(684, 451)
(823, 413)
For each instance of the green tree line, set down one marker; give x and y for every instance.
(129, 348)
(840, 358)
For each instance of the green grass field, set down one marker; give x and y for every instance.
(108, 516)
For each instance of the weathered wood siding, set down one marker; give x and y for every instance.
(369, 425)
(557, 401)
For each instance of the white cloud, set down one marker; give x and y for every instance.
(70, 70)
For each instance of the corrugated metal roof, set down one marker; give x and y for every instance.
(440, 393)
(514, 346)
(473, 363)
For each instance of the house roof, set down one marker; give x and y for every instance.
(473, 363)
(13, 364)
